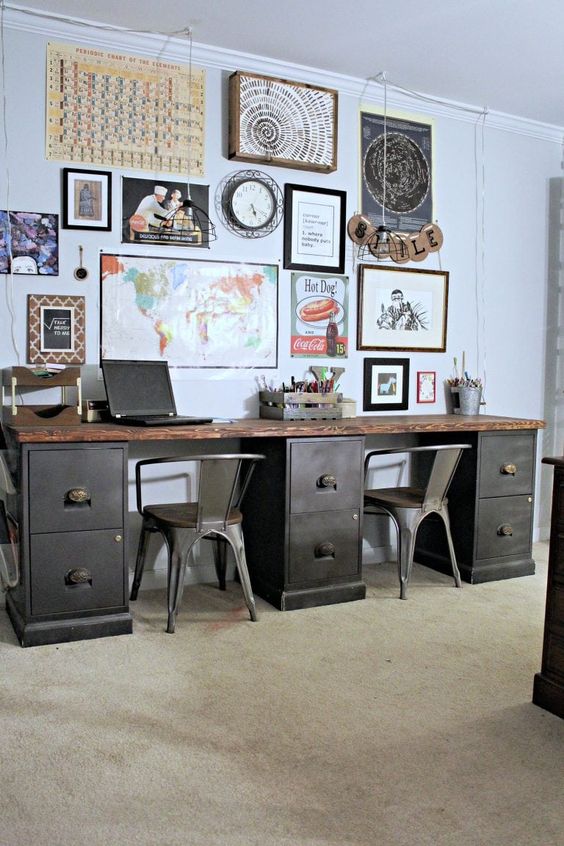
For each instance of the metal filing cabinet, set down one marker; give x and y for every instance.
(71, 512)
(303, 521)
(491, 508)
(548, 690)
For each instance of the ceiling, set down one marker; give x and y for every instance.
(506, 55)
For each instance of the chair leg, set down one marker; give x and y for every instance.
(220, 559)
(177, 558)
(235, 537)
(455, 571)
(140, 562)
(408, 520)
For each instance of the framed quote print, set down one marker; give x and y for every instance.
(55, 329)
(314, 229)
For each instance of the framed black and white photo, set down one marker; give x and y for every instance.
(87, 199)
(386, 384)
(402, 309)
(55, 329)
(314, 229)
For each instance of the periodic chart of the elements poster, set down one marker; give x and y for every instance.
(124, 111)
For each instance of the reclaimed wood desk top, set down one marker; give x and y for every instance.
(391, 424)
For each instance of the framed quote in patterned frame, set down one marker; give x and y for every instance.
(278, 122)
(55, 329)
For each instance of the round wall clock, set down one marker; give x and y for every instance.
(251, 203)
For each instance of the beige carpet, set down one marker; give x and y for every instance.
(370, 723)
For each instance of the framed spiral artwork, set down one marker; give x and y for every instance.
(278, 122)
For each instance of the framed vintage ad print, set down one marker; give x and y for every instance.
(87, 199)
(55, 329)
(319, 315)
(386, 384)
(314, 229)
(402, 309)
(426, 386)
(157, 211)
(278, 122)
(396, 170)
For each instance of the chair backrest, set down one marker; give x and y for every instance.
(222, 483)
(442, 472)
(445, 462)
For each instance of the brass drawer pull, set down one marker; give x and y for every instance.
(78, 576)
(505, 530)
(77, 495)
(326, 549)
(327, 481)
(508, 469)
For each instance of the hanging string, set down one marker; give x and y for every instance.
(385, 148)
(9, 293)
(95, 25)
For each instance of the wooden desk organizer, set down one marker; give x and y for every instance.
(16, 378)
(279, 405)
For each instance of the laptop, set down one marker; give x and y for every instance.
(140, 394)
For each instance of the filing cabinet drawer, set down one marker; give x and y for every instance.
(57, 587)
(75, 489)
(325, 475)
(506, 465)
(324, 546)
(504, 526)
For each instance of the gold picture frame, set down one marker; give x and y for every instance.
(279, 122)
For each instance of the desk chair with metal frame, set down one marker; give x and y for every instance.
(409, 506)
(216, 515)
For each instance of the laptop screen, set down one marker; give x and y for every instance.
(138, 387)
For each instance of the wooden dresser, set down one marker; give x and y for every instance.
(548, 690)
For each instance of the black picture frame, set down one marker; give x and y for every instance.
(87, 199)
(314, 229)
(386, 384)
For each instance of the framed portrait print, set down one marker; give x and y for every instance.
(279, 122)
(314, 229)
(426, 386)
(87, 199)
(386, 384)
(402, 309)
(55, 329)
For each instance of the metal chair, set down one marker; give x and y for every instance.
(409, 506)
(216, 515)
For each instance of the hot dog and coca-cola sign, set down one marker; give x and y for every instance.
(319, 315)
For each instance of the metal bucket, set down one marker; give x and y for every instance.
(470, 399)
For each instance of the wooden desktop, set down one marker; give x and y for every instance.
(72, 511)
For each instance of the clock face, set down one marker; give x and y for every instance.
(252, 204)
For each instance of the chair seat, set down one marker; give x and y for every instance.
(396, 497)
(184, 515)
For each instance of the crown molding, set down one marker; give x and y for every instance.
(28, 19)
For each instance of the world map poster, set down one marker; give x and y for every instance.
(189, 312)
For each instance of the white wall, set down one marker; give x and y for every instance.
(497, 298)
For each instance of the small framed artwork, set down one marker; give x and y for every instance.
(426, 386)
(314, 229)
(87, 199)
(402, 309)
(55, 329)
(278, 122)
(386, 384)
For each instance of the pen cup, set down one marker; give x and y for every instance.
(470, 399)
